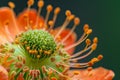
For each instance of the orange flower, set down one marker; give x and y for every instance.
(38, 51)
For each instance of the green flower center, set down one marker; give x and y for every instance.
(38, 43)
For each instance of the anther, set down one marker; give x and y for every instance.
(11, 5)
(28, 48)
(30, 3)
(94, 46)
(71, 17)
(49, 8)
(88, 41)
(76, 72)
(89, 31)
(57, 10)
(85, 28)
(89, 68)
(76, 21)
(100, 57)
(40, 3)
(95, 40)
(50, 23)
(38, 56)
(68, 13)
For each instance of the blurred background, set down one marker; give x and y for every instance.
(103, 16)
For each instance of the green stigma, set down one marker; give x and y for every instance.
(39, 43)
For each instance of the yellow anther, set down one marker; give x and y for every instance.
(38, 56)
(40, 50)
(88, 41)
(11, 5)
(30, 51)
(49, 8)
(86, 28)
(94, 46)
(89, 68)
(77, 21)
(100, 57)
(28, 47)
(40, 3)
(94, 60)
(71, 17)
(90, 63)
(89, 31)
(50, 22)
(35, 51)
(76, 72)
(95, 40)
(57, 10)
(68, 13)
(30, 2)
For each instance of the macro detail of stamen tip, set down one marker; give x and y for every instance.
(11, 5)
(30, 3)
(95, 40)
(49, 8)
(100, 57)
(89, 68)
(94, 46)
(77, 21)
(88, 41)
(50, 23)
(57, 10)
(68, 13)
(40, 3)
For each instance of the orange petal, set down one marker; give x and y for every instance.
(70, 40)
(3, 73)
(96, 74)
(7, 16)
(29, 18)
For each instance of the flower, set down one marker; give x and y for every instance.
(32, 49)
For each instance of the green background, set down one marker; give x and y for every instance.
(103, 16)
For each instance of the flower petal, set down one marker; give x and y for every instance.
(29, 18)
(3, 73)
(8, 23)
(96, 74)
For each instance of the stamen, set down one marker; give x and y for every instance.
(12, 6)
(49, 9)
(50, 23)
(56, 12)
(81, 57)
(40, 6)
(30, 3)
(76, 22)
(69, 17)
(79, 65)
(81, 52)
(86, 33)
(83, 37)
